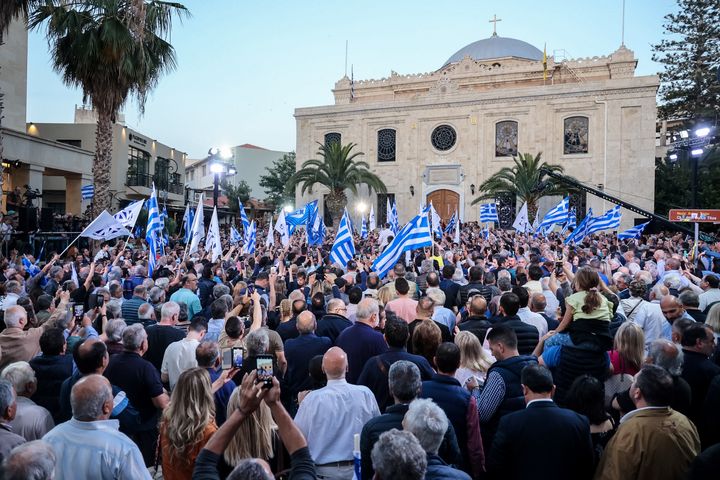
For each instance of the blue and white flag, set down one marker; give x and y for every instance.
(488, 213)
(30, 267)
(571, 221)
(522, 222)
(188, 222)
(235, 236)
(416, 234)
(153, 232)
(129, 215)
(485, 233)
(343, 248)
(363, 228)
(456, 238)
(371, 220)
(250, 239)
(87, 192)
(212, 240)
(609, 220)
(580, 231)
(270, 238)
(105, 227)
(281, 227)
(394, 222)
(451, 223)
(559, 214)
(197, 232)
(634, 232)
(243, 217)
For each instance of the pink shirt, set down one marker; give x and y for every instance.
(404, 308)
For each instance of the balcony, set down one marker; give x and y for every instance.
(171, 183)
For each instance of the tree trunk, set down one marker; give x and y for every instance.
(336, 202)
(102, 163)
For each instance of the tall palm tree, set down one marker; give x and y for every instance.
(524, 180)
(94, 47)
(338, 170)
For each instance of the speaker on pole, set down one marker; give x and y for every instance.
(47, 220)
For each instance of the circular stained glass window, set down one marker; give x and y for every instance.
(443, 138)
(386, 145)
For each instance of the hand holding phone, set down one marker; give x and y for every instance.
(264, 367)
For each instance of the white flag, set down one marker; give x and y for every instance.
(129, 215)
(198, 226)
(212, 241)
(457, 228)
(536, 223)
(521, 223)
(282, 228)
(435, 220)
(371, 222)
(105, 227)
(388, 212)
(270, 240)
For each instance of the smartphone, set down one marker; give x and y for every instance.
(250, 289)
(227, 358)
(264, 366)
(237, 356)
(100, 301)
(78, 311)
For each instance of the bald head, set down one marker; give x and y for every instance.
(335, 305)
(478, 306)
(538, 302)
(15, 317)
(91, 399)
(424, 308)
(335, 363)
(306, 322)
(671, 308)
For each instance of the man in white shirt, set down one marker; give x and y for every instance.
(31, 420)
(527, 316)
(180, 356)
(384, 236)
(330, 417)
(78, 441)
(710, 283)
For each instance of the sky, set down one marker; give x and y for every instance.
(244, 66)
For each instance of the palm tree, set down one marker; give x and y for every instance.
(94, 47)
(338, 170)
(525, 180)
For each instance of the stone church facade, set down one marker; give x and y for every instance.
(437, 136)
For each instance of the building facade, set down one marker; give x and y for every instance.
(437, 136)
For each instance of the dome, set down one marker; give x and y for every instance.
(496, 47)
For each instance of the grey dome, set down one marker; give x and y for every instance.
(496, 47)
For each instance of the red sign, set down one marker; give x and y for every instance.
(694, 215)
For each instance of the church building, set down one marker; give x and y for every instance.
(437, 136)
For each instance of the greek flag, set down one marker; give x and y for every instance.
(153, 231)
(197, 231)
(633, 232)
(394, 225)
(30, 267)
(580, 231)
(451, 223)
(488, 213)
(416, 234)
(363, 228)
(609, 220)
(188, 221)
(250, 238)
(87, 191)
(244, 217)
(343, 248)
(235, 236)
(571, 221)
(485, 233)
(559, 214)
(371, 220)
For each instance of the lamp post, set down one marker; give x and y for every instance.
(216, 169)
(218, 157)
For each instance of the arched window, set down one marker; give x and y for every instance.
(443, 138)
(575, 136)
(332, 137)
(506, 138)
(386, 145)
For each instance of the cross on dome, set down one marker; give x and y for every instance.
(494, 22)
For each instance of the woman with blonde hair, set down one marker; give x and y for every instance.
(474, 361)
(628, 350)
(187, 423)
(285, 310)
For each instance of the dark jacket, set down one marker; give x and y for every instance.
(330, 325)
(461, 410)
(375, 373)
(527, 335)
(477, 325)
(51, 371)
(298, 352)
(518, 453)
(130, 308)
(451, 290)
(484, 290)
(360, 342)
(698, 371)
(205, 288)
(392, 418)
(439, 470)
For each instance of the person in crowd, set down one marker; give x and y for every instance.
(502, 392)
(539, 304)
(474, 361)
(21, 344)
(459, 405)
(587, 397)
(645, 314)
(288, 329)
(403, 306)
(180, 355)
(518, 433)
(187, 424)
(334, 321)
(449, 287)
(428, 423)
(361, 341)
(161, 335)
(525, 314)
(45, 308)
(375, 373)
(441, 315)
(405, 384)
(8, 408)
(186, 294)
(330, 437)
(131, 306)
(643, 447)
(299, 351)
(78, 441)
(51, 369)
(232, 333)
(691, 302)
(476, 321)
(527, 336)
(427, 336)
(30, 461)
(112, 335)
(425, 310)
(207, 355)
(31, 420)
(140, 380)
(628, 350)
(398, 455)
(673, 310)
(711, 292)
(475, 282)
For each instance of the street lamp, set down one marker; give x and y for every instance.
(288, 208)
(216, 169)
(361, 207)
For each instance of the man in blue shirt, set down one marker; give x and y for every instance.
(130, 307)
(186, 295)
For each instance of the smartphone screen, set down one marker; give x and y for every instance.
(78, 310)
(237, 357)
(265, 370)
(227, 358)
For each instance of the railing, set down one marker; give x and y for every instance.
(171, 183)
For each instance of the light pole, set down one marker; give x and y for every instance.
(218, 157)
(216, 169)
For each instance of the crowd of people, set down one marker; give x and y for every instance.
(504, 356)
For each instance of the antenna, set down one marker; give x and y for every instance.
(622, 38)
(346, 51)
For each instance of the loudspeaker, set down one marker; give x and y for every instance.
(47, 220)
(27, 219)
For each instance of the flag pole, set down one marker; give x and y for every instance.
(70, 245)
